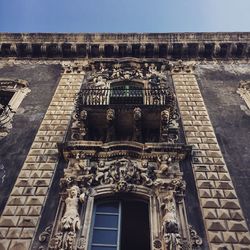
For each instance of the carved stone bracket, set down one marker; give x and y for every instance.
(182, 67)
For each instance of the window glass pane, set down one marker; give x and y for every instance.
(102, 248)
(108, 207)
(101, 236)
(103, 220)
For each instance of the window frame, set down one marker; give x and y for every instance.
(92, 227)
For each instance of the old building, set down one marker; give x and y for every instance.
(125, 141)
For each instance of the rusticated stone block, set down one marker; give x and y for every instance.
(17, 200)
(237, 226)
(27, 233)
(19, 244)
(14, 233)
(215, 237)
(221, 246)
(3, 234)
(223, 214)
(212, 176)
(4, 244)
(216, 225)
(241, 247)
(210, 213)
(35, 210)
(210, 203)
(230, 194)
(9, 210)
(205, 193)
(224, 185)
(22, 210)
(217, 193)
(236, 215)
(200, 176)
(230, 237)
(28, 221)
(230, 204)
(8, 221)
(244, 238)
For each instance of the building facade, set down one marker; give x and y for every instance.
(125, 141)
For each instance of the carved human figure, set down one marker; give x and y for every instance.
(169, 220)
(70, 220)
(165, 116)
(163, 163)
(102, 176)
(146, 172)
(100, 82)
(116, 74)
(137, 113)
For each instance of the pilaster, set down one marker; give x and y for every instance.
(224, 222)
(23, 210)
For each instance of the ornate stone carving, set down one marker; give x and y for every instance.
(79, 127)
(110, 116)
(137, 136)
(19, 89)
(169, 219)
(157, 244)
(173, 241)
(74, 67)
(65, 241)
(70, 221)
(43, 237)
(196, 240)
(179, 67)
(81, 244)
(244, 91)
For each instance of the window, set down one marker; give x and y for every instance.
(120, 225)
(126, 93)
(12, 93)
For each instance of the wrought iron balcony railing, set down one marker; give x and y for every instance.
(108, 96)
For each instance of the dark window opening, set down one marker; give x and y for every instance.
(126, 93)
(5, 97)
(120, 225)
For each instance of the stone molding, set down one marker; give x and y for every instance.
(166, 45)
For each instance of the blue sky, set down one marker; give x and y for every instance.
(124, 15)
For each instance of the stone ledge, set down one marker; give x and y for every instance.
(165, 45)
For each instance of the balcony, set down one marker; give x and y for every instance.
(125, 96)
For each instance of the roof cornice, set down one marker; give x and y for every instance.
(235, 45)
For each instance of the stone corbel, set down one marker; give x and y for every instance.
(137, 134)
(165, 118)
(181, 67)
(110, 118)
(74, 67)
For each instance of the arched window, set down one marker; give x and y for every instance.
(120, 225)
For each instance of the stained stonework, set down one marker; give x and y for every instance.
(128, 121)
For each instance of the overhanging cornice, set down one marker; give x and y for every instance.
(108, 45)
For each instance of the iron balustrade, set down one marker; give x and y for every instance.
(109, 96)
